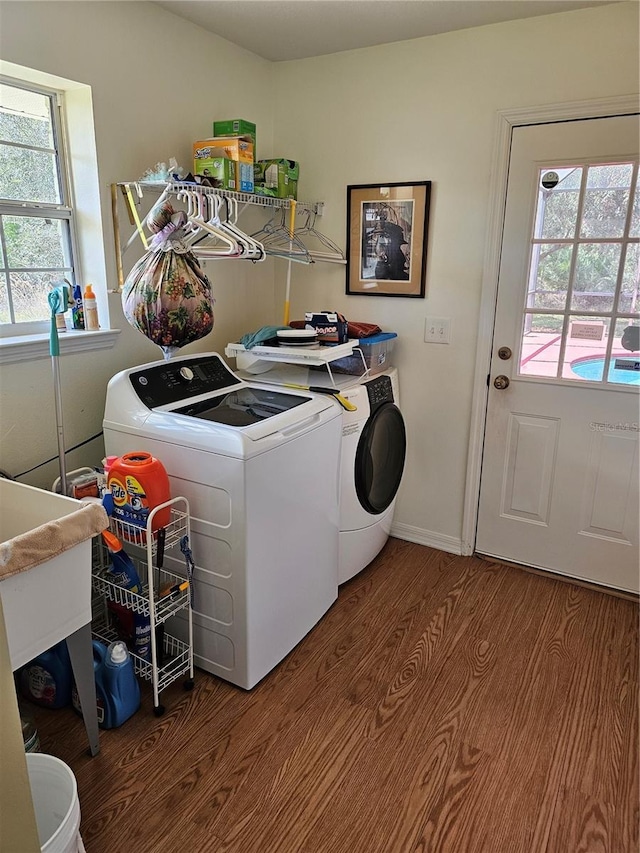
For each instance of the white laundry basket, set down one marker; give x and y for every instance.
(56, 804)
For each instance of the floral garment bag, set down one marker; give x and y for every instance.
(167, 295)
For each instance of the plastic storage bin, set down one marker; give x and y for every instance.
(377, 351)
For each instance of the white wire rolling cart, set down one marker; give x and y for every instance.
(170, 658)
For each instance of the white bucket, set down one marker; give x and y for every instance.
(56, 804)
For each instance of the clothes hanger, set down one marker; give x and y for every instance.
(280, 242)
(308, 229)
(209, 228)
(254, 250)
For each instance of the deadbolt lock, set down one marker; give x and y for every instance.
(504, 353)
(501, 382)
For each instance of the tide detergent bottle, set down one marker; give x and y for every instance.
(117, 688)
(138, 483)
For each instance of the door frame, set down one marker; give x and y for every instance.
(504, 123)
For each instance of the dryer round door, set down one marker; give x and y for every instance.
(380, 459)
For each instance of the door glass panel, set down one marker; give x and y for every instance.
(549, 282)
(587, 276)
(596, 274)
(625, 352)
(558, 207)
(629, 294)
(586, 347)
(541, 339)
(606, 200)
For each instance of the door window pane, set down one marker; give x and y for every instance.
(541, 338)
(597, 263)
(550, 268)
(630, 291)
(585, 348)
(558, 207)
(606, 200)
(596, 275)
(625, 353)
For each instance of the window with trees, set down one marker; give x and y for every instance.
(581, 309)
(36, 216)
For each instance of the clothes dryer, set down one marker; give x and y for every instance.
(373, 455)
(259, 467)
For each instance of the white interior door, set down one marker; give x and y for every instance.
(560, 471)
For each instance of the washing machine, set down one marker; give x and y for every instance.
(260, 469)
(373, 455)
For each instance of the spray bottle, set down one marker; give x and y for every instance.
(122, 572)
(77, 308)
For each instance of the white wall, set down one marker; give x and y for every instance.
(420, 110)
(425, 110)
(157, 84)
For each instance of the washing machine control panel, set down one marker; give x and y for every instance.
(170, 383)
(379, 391)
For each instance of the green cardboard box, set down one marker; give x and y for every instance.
(220, 170)
(277, 177)
(236, 127)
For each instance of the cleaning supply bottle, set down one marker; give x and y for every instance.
(138, 483)
(77, 308)
(133, 626)
(117, 688)
(47, 679)
(90, 309)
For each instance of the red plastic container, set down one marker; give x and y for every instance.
(138, 483)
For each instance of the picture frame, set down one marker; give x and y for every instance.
(387, 229)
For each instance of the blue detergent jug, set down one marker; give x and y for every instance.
(47, 679)
(117, 688)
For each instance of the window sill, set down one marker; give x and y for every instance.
(32, 347)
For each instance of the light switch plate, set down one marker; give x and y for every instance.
(437, 330)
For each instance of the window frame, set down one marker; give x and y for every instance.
(63, 211)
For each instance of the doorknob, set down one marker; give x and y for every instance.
(504, 353)
(501, 382)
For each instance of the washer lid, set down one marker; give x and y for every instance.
(243, 406)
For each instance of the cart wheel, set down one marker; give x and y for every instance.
(158, 710)
(188, 685)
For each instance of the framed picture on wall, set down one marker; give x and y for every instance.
(387, 226)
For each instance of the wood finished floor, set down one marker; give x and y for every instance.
(443, 704)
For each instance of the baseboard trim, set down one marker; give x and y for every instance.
(450, 544)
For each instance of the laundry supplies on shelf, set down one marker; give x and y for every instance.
(169, 657)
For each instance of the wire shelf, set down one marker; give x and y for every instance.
(242, 198)
(165, 605)
(134, 535)
(163, 594)
(176, 654)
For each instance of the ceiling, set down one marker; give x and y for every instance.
(297, 29)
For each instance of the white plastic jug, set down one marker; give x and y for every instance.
(56, 804)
